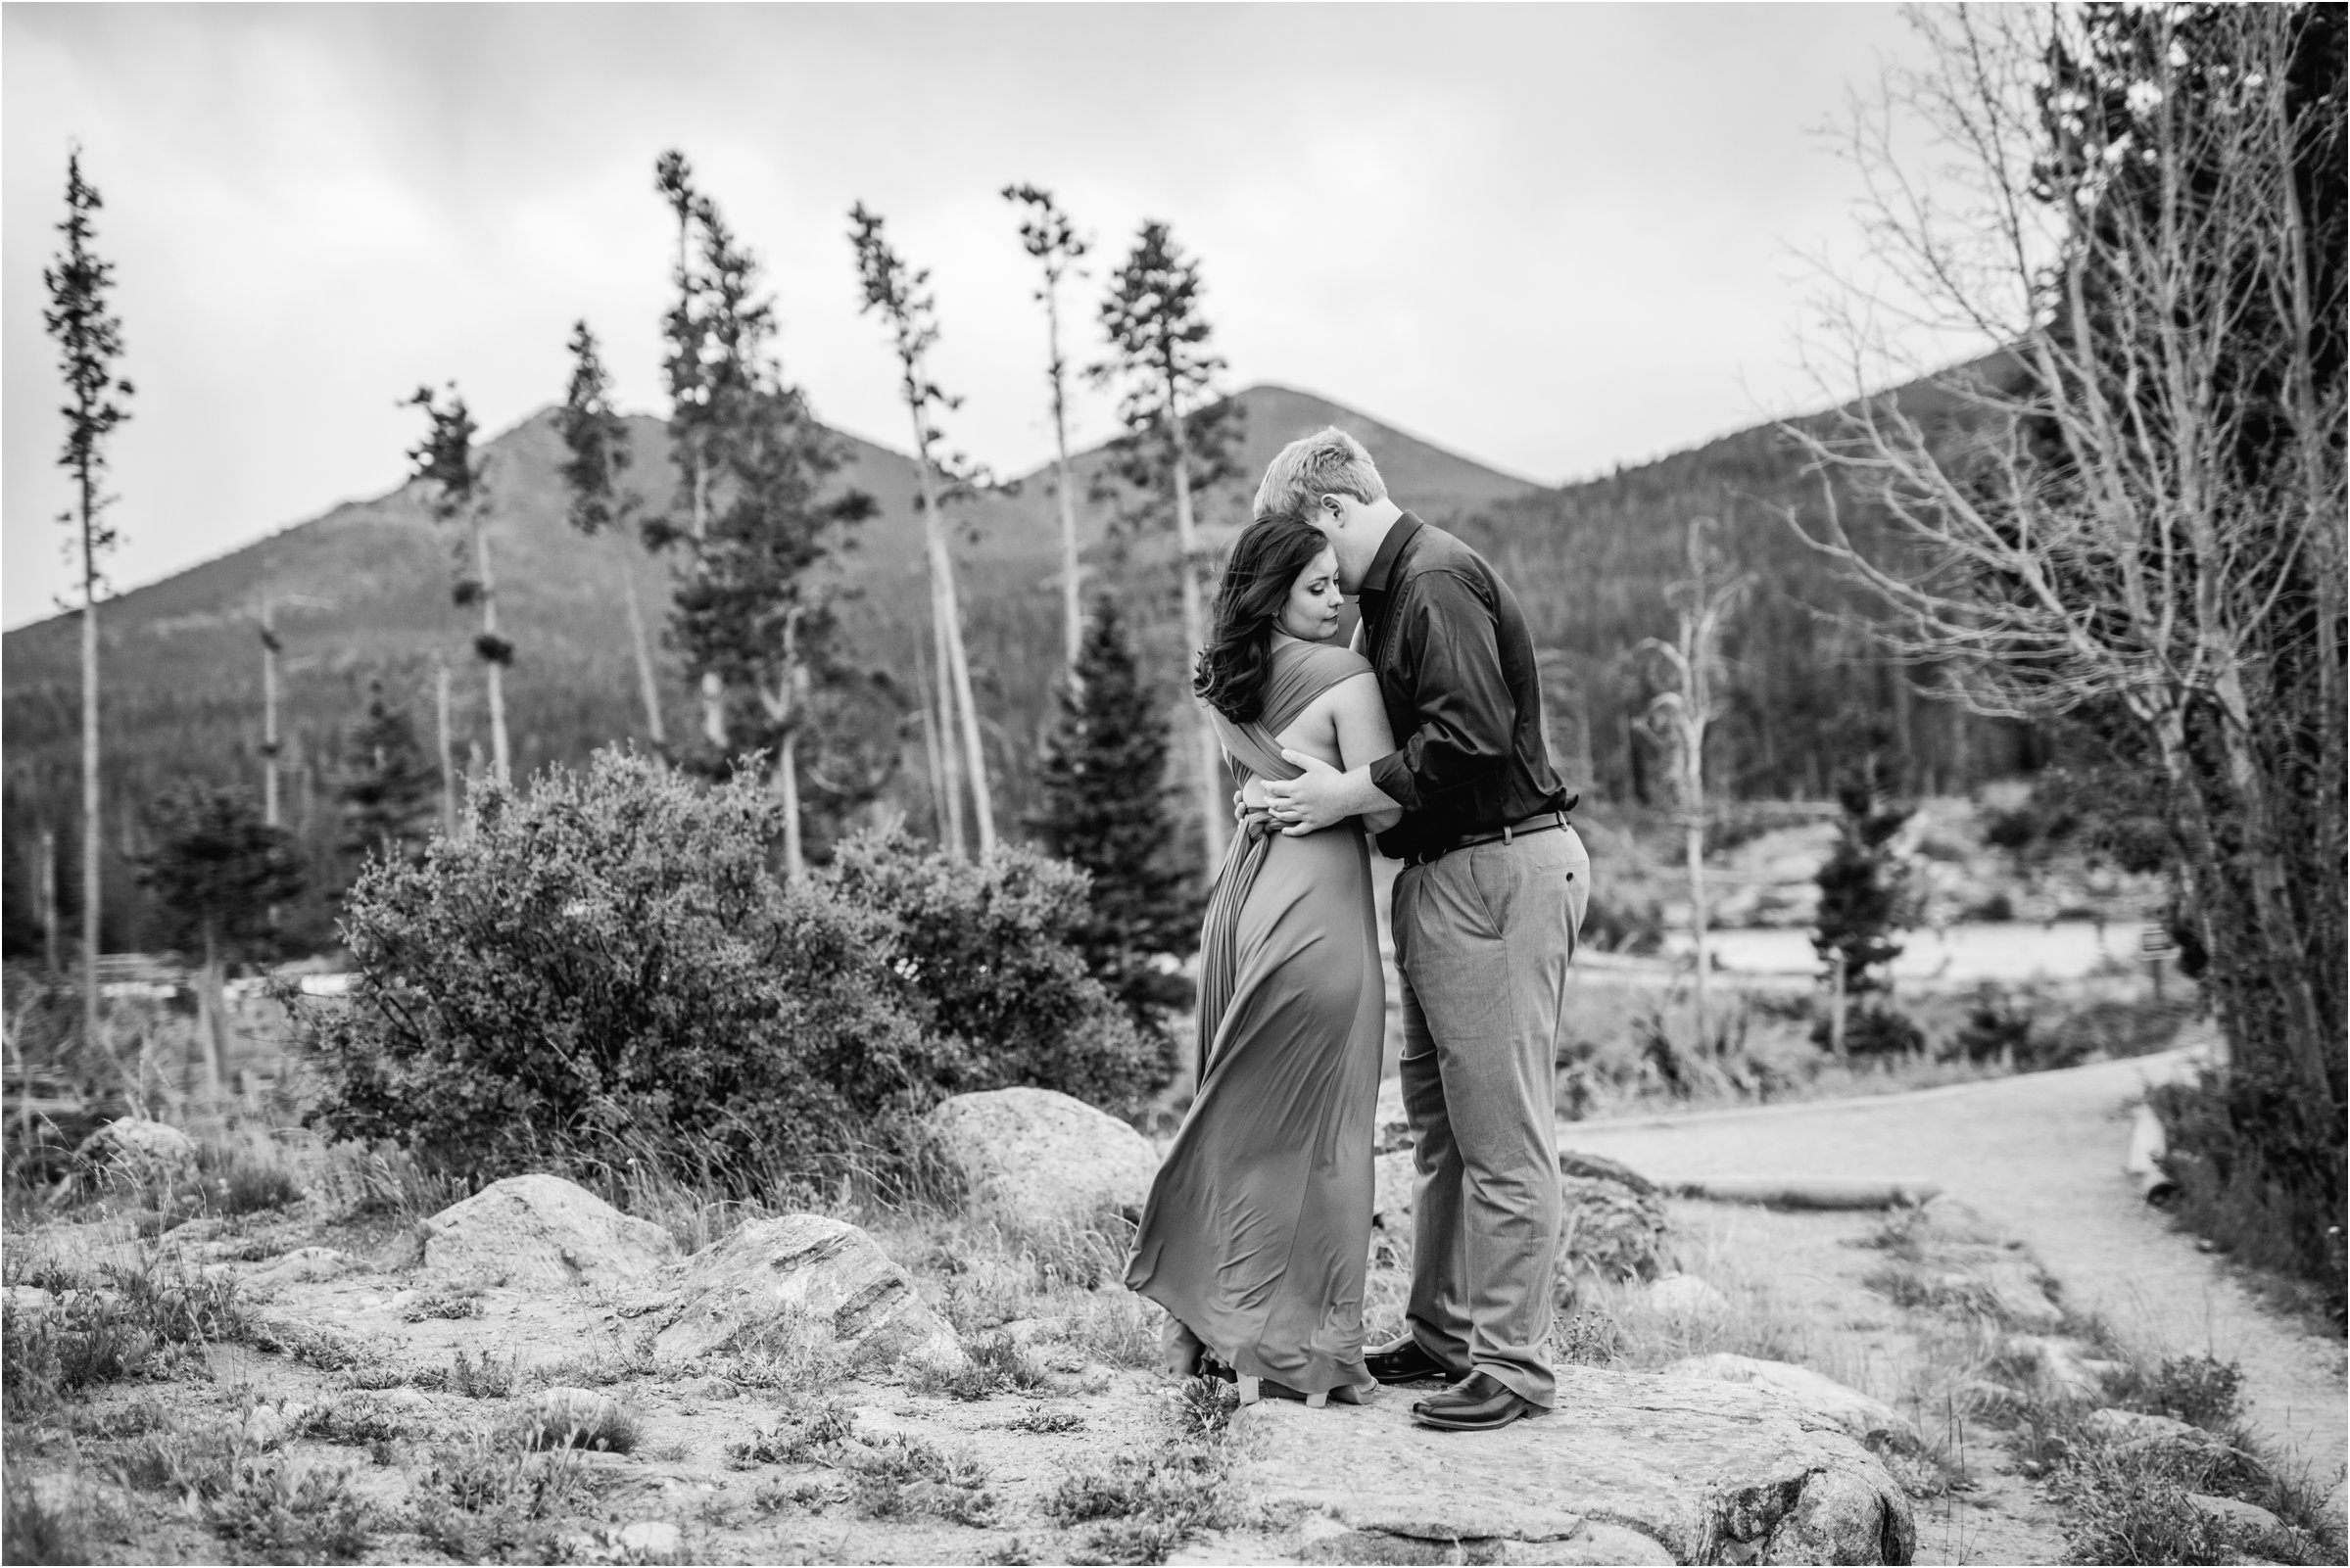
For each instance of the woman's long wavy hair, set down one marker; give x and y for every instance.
(1229, 674)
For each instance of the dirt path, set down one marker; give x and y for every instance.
(2042, 1155)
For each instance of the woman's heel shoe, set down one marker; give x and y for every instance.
(1317, 1402)
(1249, 1393)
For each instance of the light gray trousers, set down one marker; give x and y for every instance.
(1483, 937)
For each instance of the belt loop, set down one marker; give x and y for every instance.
(1507, 831)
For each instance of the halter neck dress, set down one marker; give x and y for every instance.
(1257, 1227)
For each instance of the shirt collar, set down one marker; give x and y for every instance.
(1382, 565)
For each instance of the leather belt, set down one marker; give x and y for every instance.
(1542, 821)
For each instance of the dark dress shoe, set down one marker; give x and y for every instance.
(1405, 1361)
(1478, 1402)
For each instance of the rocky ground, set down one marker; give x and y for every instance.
(531, 1375)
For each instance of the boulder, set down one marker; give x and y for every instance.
(2137, 1432)
(1036, 1159)
(2068, 1372)
(1872, 1423)
(140, 1146)
(1668, 1469)
(1614, 1219)
(539, 1231)
(802, 1276)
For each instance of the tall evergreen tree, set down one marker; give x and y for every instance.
(89, 340)
(755, 616)
(1050, 237)
(384, 783)
(444, 460)
(1180, 436)
(899, 293)
(693, 386)
(1104, 809)
(601, 455)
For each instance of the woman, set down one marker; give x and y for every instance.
(1258, 1223)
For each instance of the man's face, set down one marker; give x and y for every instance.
(1331, 514)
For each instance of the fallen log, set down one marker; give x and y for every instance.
(1807, 1192)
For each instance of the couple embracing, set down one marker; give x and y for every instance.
(1428, 734)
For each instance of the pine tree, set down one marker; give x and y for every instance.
(601, 455)
(217, 870)
(386, 786)
(1180, 437)
(1050, 237)
(1864, 892)
(89, 340)
(899, 293)
(692, 397)
(755, 616)
(444, 460)
(1103, 810)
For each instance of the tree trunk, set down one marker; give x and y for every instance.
(1213, 803)
(1072, 608)
(946, 817)
(1694, 846)
(1836, 1006)
(48, 900)
(269, 806)
(210, 1047)
(501, 757)
(787, 791)
(785, 709)
(91, 828)
(954, 668)
(649, 685)
(713, 690)
(448, 821)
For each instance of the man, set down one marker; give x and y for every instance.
(1486, 913)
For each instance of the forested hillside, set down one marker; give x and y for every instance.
(363, 596)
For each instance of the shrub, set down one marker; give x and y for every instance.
(1994, 1025)
(1874, 1031)
(987, 951)
(2256, 1175)
(607, 964)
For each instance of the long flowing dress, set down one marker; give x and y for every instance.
(1257, 1227)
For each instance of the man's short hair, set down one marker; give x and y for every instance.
(1328, 463)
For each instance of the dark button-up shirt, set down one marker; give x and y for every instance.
(1457, 672)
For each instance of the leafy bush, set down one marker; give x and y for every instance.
(608, 968)
(1994, 1025)
(988, 955)
(608, 964)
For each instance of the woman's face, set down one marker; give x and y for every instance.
(1311, 612)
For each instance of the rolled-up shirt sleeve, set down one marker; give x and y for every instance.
(1445, 652)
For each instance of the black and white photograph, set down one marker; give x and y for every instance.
(1175, 782)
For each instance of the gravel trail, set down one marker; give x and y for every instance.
(2041, 1155)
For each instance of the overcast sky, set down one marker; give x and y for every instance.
(1551, 238)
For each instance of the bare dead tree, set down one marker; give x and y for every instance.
(1685, 707)
(2140, 511)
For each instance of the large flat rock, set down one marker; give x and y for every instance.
(1700, 1472)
